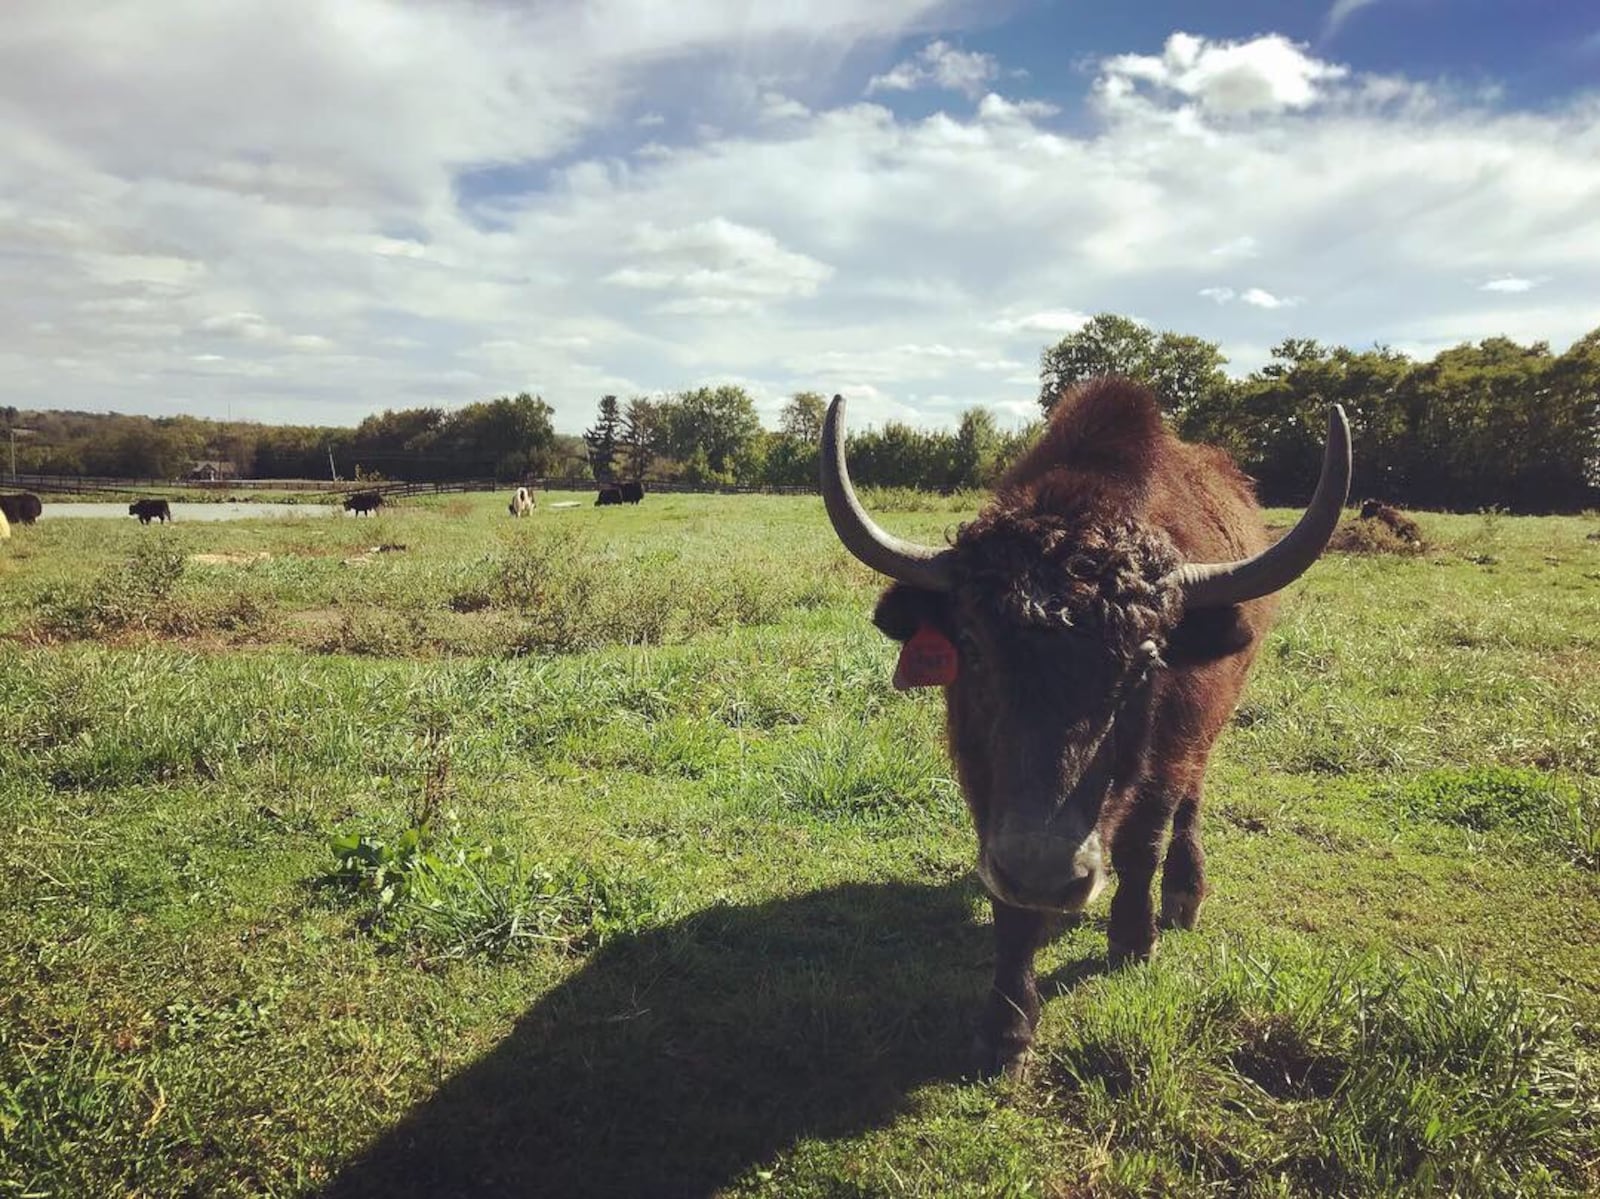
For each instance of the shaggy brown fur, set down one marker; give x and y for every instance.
(1052, 721)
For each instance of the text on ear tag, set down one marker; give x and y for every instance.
(927, 660)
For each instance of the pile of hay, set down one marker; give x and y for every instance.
(1358, 536)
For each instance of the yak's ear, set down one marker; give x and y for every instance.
(1206, 634)
(902, 610)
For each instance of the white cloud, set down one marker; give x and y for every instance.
(998, 108)
(253, 327)
(1237, 247)
(1059, 321)
(441, 210)
(1261, 298)
(775, 106)
(1264, 75)
(1510, 284)
(938, 64)
(1341, 12)
(1256, 297)
(717, 267)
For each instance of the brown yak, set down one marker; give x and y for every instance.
(1092, 629)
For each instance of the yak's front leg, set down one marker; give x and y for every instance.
(1135, 851)
(1012, 1012)
(1183, 879)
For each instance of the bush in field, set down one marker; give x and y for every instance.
(375, 632)
(139, 594)
(569, 595)
(451, 900)
(143, 594)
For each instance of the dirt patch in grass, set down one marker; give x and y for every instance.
(1359, 536)
(229, 558)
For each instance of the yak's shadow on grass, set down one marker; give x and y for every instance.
(676, 1061)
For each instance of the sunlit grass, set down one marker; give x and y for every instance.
(686, 900)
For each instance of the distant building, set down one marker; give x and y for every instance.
(211, 472)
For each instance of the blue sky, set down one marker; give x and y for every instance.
(383, 203)
(1537, 50)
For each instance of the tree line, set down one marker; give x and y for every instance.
(1494, 423)
(1487, 424)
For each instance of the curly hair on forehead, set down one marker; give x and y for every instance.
(1046, 571)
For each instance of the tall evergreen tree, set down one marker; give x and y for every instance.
(601, 439)
(640, 423)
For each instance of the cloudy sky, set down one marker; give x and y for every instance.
(309, 210)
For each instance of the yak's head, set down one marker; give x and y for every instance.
(1046, 625)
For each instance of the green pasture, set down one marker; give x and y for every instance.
(440, 853)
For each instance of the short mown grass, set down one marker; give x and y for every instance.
(595, 854)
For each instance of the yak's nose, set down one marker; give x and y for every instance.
(1041, 870)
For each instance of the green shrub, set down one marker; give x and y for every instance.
(138, 594)
(569, 595)
(451, 900)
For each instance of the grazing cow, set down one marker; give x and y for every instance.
(21, 509)
(1403, 526)
(5, 525)
(609, 494)
(1092, 629)
(521, 502)
(364, 502)
(149, 510)
(632, 492)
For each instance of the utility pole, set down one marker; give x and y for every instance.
(333, 471)
(13, 430)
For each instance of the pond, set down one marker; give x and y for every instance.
(245, 510)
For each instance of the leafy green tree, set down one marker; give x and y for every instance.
(710, 430)
(1488, 428)
(509, 437)
(975, 455)
(1273, 423)
(801, 418)
(1574, 423)
(519, 427)
(792, 453)
(901, 456)
(790, 462)
(1181, 369)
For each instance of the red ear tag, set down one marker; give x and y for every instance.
(927, 660)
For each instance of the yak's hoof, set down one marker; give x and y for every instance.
(1006, 1056)
(1180, 909)
(1120, 954)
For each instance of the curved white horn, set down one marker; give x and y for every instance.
(904, 561)
(1216, 584)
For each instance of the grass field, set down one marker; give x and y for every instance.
(594, 854)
